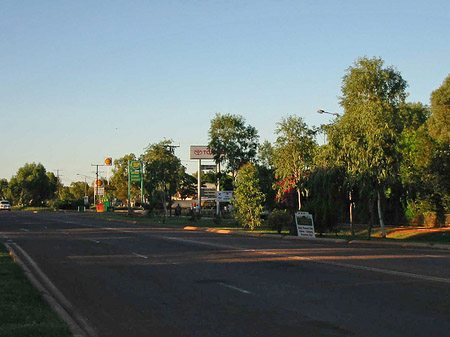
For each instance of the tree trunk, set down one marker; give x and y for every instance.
(352, 230)
(164, 204)
(380, 215)
(371, 217)
(299, 199)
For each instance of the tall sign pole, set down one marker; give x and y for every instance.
(199, 183)
(129, 188)
(134, 175)
(199, 153)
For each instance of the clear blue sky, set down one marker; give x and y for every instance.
(83, 80)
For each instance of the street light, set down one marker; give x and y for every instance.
(330, 113)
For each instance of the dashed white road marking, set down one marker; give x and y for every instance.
(234, 288)
(139, 255)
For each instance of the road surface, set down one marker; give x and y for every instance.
(131, 280)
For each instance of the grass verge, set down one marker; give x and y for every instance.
(23, 312)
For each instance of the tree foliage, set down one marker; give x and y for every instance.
(247, 199)
(162, 169)
(293, 154)
(439, 123)
(119, 178)
(231, 141)
(365, 138)
(32, 186)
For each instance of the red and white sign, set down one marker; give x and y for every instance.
(201, 152)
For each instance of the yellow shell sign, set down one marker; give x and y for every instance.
(108, 161)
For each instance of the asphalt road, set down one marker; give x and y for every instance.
(129, 280)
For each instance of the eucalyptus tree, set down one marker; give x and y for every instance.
(293, 154)
(231, 141)
(365, 138)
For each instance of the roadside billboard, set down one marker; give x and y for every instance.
(200, 152)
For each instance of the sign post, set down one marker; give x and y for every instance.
(305, 225)
(199, 153)
(134, 175)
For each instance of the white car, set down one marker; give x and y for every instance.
(5, 205)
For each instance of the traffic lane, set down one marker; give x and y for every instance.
(329, 295)
(125, 288)
(314, 295)
(424, 262)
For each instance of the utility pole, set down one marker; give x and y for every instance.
(57, 181)
(96, 184)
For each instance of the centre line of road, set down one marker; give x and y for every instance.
(378, 270)
(24, 229)
(96, 241)
(139, 255)
(234, 288)
(326, 262)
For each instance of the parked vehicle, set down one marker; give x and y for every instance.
(5, 205)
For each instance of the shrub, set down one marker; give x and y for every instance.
(278, 218)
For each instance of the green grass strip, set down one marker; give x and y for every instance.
(23, 312)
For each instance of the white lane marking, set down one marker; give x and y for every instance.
(378, 270)
(142, 256)
(96, 241)
(234, 288)
(327, 262)
(24, 229)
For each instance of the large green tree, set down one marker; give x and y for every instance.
(293, 154)
(32, 186)
(247, 199)
(231, 141)
(162, 171)
(365, 138)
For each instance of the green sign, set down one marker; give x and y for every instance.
(135, 171)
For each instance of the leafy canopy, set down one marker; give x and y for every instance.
(231, 141)
(247, 198)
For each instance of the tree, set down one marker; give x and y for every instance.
(439, 122)
(293, 154)
(161, 171)
(119, 178)
(247, 199)
(187, 186)
(31, 186)
(4, 192)
(231, 141)
(79, 189)
(365, 138)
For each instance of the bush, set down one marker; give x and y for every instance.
(278, 218)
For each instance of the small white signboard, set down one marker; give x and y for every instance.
(224, 196)
(305, 224)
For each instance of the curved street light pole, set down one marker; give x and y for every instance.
(330, 113)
